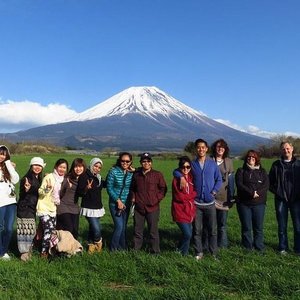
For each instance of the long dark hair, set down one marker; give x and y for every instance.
(183, 160)
(61, 161)
(76, 162)
(4, 151)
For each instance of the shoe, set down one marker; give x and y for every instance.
(5, 257)
(199, 256)
(283, 252)
(91, 248)
(25, 256)
(98, 246)
(44, 255)
(215, 257)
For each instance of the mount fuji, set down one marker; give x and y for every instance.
(138, 119)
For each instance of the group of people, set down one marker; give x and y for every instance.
(54, 199)
(203, 191)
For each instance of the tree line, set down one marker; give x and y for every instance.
(266, 151)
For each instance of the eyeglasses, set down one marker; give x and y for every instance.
(186, 167)
(125, 161)
(146, 161)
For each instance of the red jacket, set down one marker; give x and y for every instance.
(183, 206)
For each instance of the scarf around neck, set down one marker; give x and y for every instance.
(253, 167)
(57, 186)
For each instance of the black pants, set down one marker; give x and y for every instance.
(152, 223)
(68, 222)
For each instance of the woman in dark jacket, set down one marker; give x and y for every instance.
(252, 184)
(89, 187)
(26, 209)
(68, 210)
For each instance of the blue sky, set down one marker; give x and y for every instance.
(236, 61)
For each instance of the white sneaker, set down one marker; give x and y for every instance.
(5, 257)
(199, 256)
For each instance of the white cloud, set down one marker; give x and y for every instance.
(251, 129)
(230, 124)
(17, 115)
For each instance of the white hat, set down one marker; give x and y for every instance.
(37, 161)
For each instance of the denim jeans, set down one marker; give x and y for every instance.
(94, 234)
(222, 228)
(252, 220)
(282, 208)
(187, 232)
(118, 240)
(206, 215)
(7, 218)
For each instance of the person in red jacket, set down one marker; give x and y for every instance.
(148, 188)
(183, 204)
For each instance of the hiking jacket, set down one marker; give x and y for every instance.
(183, 201)
(250, 180)
(277, 180)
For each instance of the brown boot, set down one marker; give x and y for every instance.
(44, 255)
(91, 248)
(98, 246)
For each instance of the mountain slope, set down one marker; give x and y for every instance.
(139, 118)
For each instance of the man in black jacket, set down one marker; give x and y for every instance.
(285, 185)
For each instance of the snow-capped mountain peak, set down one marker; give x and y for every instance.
(147, 101)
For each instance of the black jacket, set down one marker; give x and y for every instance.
(249, 180)
(26, 207)
(278, 178)
(91, 198)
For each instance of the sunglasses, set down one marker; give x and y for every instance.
(125, 161)
(186, 167)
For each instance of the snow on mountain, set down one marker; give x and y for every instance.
(138, 119)
(146, 101)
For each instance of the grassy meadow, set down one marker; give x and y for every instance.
(138, 275)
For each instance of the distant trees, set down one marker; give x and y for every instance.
(274, 149)
(267, 151)
(31, 147)
(190, 148)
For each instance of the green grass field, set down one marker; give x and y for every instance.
(129, 275)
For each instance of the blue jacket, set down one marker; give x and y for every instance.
(207, 181)
(116, 186)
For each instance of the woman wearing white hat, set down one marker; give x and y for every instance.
(26, 208)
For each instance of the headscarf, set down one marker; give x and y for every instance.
(94, 161)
